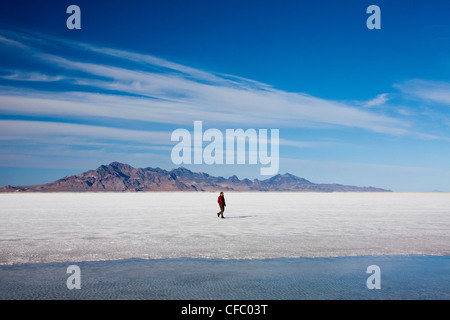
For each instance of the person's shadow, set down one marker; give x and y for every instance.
(238, 217)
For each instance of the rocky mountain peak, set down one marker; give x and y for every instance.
(121, 177)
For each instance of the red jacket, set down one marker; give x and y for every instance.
(221, 200)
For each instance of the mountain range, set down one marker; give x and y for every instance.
(120, 177)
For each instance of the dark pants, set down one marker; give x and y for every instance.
(222, 209)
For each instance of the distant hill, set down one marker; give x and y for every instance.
(119, 177)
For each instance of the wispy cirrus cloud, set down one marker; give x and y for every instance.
(43, 130)
(177, 94)
(31, 76)
(10, 42)
(432, 91)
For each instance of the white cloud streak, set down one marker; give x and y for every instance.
(431, 91)
(377, 101)
(42, 130)
(9, 42)
(31, 76)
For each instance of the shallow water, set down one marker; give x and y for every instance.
(401, 277)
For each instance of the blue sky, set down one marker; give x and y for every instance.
(353, 105)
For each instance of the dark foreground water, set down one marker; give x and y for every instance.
(401, 277)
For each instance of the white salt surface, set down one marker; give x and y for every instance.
(57, 227)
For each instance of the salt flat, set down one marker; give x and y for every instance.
(57, 227)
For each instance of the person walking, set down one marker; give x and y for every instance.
(222, 205)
